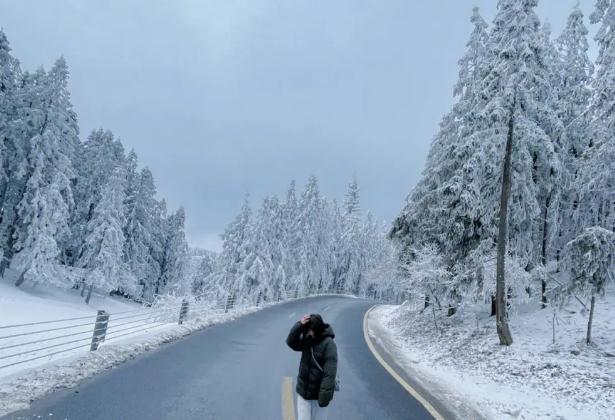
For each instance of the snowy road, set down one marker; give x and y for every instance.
(238, 370)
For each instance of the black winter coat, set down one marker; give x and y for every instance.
(312, 383)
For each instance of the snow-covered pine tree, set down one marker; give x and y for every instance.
(445, 209)
(596, 183)
(12, 151)
(102, 251)
(573, 92)
(173, 266)
(44, 208)
(236, 247)
(517, 86)
(352, 260)
(291, 239)
(142, 239)
(268, 246)
(312, 227)
(203, 279)
(590, 258)
(515, 95)
(100, 156)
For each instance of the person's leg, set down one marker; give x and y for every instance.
(304, 411)
(319, 413)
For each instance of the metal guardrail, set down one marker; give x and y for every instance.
(61, 336)
(27, 342)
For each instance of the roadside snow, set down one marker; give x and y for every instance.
(23, 383)
(463, 364)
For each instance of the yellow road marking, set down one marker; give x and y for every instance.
(398, 378)
(288, 403)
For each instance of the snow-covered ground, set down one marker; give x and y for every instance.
(23, 382)
(462, 364)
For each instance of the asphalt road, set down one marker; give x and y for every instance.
(236, 370)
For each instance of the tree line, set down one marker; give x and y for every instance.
(73, 213)
(529, 142)
(301, 244)
(82, 214)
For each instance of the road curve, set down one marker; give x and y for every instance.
(236, 370)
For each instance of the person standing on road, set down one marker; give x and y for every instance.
(318, 367)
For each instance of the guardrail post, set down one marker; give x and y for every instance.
(89, 296)
(100, 329)
(183, 312)
(230, 302)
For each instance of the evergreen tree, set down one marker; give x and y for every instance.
(596, 206)
(590, 258)
(173, 267)
(102, 252)
(575, 71)
(45, 206)
(236, 247)
(12, 153)
(140, 233)
(446, 209)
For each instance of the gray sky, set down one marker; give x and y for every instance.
(220, 98)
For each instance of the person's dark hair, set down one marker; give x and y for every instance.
(317, 324)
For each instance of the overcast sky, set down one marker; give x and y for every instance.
(223, 98)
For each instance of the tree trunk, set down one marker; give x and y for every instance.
(591, 319)
(89, 296)
(493, 306)
(21, 278)
(545, 227)
(426, 300)
(500, 294)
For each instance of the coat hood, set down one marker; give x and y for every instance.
(328, 332)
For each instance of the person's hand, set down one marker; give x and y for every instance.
(305, 319)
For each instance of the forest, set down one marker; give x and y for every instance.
(72, 213)
(531, 132)
(83, 214)
(544, 106)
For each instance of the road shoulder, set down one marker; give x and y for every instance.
(443, 402)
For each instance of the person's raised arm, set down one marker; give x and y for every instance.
(294, 336)
(327, 386)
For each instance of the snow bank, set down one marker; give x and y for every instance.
(463, 365)
(21, 384)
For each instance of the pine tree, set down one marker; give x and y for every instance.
(140, 232)
(11, 148)
(291, 237)
(236, 247)
(596, 183)
(102, 252)
(44, 209)
(100, 155)
(204, 279)
(446, 208)
(312, 228)
(352, 258)
(575, 71)
(590, 258)
(173, 267)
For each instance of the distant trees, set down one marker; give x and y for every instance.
(72, 213)
(308, 245)
(517, 87)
